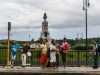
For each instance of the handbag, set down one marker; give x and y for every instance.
(29, 54)
(61, 51)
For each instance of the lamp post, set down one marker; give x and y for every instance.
(85, 5)
(29, 37)
(9, 29)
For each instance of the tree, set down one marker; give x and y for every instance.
(32, 40)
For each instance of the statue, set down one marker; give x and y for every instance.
(45, 17)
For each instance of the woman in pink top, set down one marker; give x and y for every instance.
(65, 47)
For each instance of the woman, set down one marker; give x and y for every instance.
(53, 50)
(65, 47)
(43, 58)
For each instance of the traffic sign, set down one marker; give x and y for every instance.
(9, 25)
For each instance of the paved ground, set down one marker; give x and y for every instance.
(80, 70)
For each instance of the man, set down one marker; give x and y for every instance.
(53, 50)
(14, 50)
(43, 58)
(95, 52)
(65, 47)
(26, 49)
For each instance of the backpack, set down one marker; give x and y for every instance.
(98, 49)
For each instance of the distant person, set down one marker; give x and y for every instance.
(43, 58)
(53, 50)
(57, 55)
(95, 52)
(26, 49)
(14, 50)
(64, 47)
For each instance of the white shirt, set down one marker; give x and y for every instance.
(51, 48)
(95, 47)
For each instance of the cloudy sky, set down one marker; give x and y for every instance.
(65, 17)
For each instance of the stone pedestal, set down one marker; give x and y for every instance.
(45, 33)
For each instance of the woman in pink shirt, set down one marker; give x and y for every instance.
(65, 47)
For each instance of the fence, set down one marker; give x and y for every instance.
(75, 58)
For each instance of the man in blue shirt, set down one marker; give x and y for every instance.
(14, 50)
(95, 52)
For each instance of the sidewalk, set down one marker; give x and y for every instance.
(68, 70)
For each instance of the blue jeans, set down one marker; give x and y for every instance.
(13, 57)
(57, 60)
(96, 60)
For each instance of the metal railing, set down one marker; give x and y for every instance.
(75, 58)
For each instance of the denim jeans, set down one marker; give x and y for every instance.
(96, 60)
(57, 60)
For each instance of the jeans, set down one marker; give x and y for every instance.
(57, 60)
(23, 57)
(96, 60)
(13, 57)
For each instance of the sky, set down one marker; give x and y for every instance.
(65, 17)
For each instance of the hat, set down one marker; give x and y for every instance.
(14, 41)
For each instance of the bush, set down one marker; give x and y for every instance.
(81, 47)
(71, 55)
(4, 47)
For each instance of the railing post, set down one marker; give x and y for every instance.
(31, 59)
(78, 58)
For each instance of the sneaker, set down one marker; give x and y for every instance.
(95, 67)
(23, 66)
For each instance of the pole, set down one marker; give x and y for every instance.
(29, 37)
(8, 49)
(86, 34)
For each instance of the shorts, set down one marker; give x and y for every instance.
(64, 57)
(52, 57)
(13, 57)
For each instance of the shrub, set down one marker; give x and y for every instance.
(70, 55)
(3, 47)
(81, 47)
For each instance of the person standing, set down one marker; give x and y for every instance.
(26, 49)
(64, 47)
(95, 52)
(53, 50)
(43, 58)
(14, 50)
(57, 55)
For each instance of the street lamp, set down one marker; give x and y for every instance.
(85, 5)
(29, 37)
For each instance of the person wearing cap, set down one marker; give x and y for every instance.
(14, 50)
(26, 49)
(65, 47)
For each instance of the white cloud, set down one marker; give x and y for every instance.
(27, 15)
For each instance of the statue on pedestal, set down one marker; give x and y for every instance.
(45, 16)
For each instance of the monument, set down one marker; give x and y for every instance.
(45, 33)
